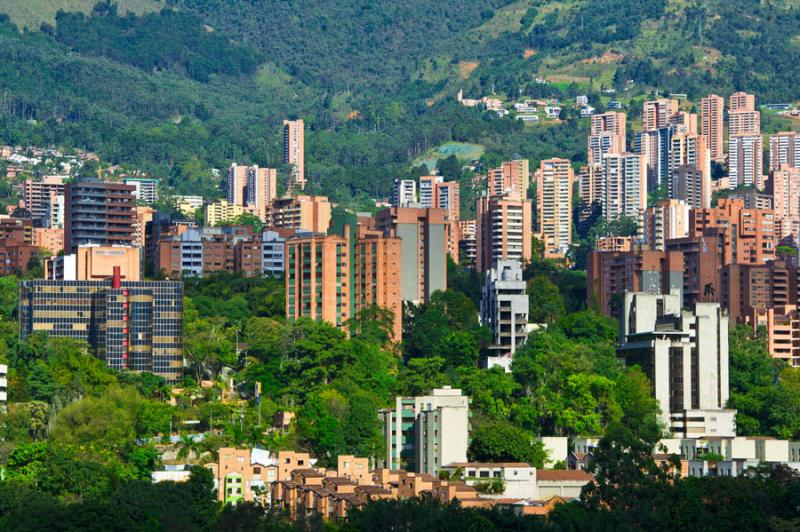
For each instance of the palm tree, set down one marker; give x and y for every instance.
(187, 446)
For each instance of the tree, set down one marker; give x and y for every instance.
(546, 303)
(207, 347)
(500, 441)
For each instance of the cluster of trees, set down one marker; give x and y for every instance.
(155, 41)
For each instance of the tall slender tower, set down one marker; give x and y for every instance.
(711, 124)
(294, 153)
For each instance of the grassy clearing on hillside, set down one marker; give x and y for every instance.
(32, 13)
(464, 151)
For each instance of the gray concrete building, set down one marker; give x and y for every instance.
(504, 308)
(685, 355)
(424, 433)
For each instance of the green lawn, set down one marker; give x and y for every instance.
(462, 150)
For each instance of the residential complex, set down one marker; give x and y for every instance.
(144, 189)
(504, 309)
(307, 213)
(98, 212)
(423, 234)
(294, 154)
(503, 231)
(711, 125)
(252, 188)
(426, 432)
(554, 180)
(317, 278)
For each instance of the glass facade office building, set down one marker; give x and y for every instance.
(135, 325)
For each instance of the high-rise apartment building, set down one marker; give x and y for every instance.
(39, 196)
(252, 187)
(554, 180)
(427, 432)
(784, 150)
(307, 213)
(134, 325)
(749, 234)
(689, 149)
(144, 189)
(685, 355)
(690, 185)
(404, 192)
(511, 180)
(503, 231)
(591, 187)
(625, 180)
(504, 309)
(686, 122)
(745, 163)
(427, 190)
(741, 101)
(610, 274)
(435, 192)
(657, 113)
(377, 269)
(467, 243)
(744, 122)
(98, 213)
(784, 183)
(654, 145)
(423, 258)
(755, 287)
(294, 154)
(318, 278)
(607, 135)
(665, 220)
(712, 123)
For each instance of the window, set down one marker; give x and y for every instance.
(256, 470)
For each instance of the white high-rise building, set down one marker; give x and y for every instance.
(625, 185)
(685, 355)
(404, 192)
(784, 150)
(745, 164)
(504, 309)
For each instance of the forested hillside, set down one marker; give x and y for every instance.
(204, 82)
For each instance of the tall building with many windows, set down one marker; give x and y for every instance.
(741, 101)
(377, 269)
(749, 234)
(625, 179)
(423, 257)
(785, 186)
(98, 213)
(607, 135)
(425, 433)
(784, 150)
(404, 192)
(685, 355)
(134, 325)
(318, 278)
(666, 220)
(712, 111)
(689, 149)
(511, 180)
(691, 185)
(745, 162)
(554, 180)
(306, 213)
(252, 187)
(503, 231)
(504, 309)
(294, 154)
(657, 113)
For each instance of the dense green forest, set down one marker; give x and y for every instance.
(205, 82)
